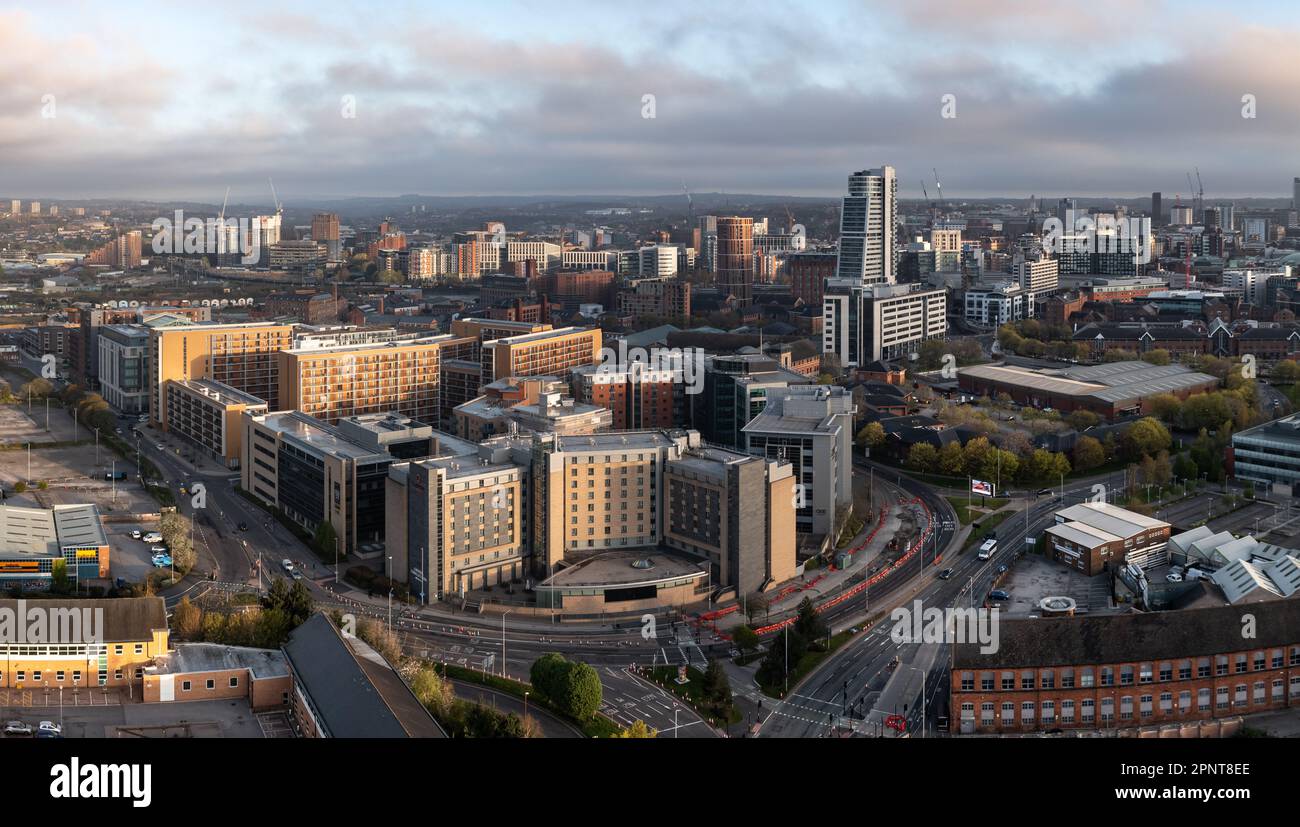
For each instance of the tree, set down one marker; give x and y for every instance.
(715, 690)
(745, 638)
(755, 605)
(435, 693)
(380, 638)
(36, 389)
(808, 623)
(1285, 371)
(788, 646)
(637, 729)
(1088, 453)
(1146, 436)
(1082, 419)
(872, 435)
(187, 619)
(922, 457)
(546, 672)
(951, 459)
(326, 538)
(1159, 356)
(1185, 467)
(582, 691)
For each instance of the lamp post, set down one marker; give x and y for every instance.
(503, 642)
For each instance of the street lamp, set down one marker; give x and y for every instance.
(503, 642)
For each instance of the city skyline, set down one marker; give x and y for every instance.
(776, 101)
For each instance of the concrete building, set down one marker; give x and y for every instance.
(734, 271)
(735, 511)
(736, 388)
(123, 371)
(211, 672)
(1268, 454)
(325, 230)
(652, 297)
(209, 415)
(882, 321)
(811, 428)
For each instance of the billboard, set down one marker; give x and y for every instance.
(982, 488)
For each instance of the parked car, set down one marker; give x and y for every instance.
(1002, 568)
(1174, 577)
(136, 535)
(162, 561)
(160, 550)
(17, 728)
(49, 729)
(998, 594)
(152, 537)
(286, 564)
(295, 574)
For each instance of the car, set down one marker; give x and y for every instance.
(152, 537)
(998, 594)
(160, 549)
(49, 729)
(136, 535)
(1044, 492)
(160, 446)
(945, 574)
(295, 574)
(286, 564)
(243, 526)
(1002, 568)
(1174, 577)
(162, 561)
(17, 728)
(183, 489)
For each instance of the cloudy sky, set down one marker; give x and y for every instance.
(1108, 97)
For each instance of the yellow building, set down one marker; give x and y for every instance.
(207, 413)
(47, 644)
(332, 383)
(546, 353)
(242, 356)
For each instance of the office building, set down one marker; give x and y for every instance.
(734, 270)
(1157, 212)
(880, 321)
(656, 298)
(807, 273)
(868, 218)
(123, 371)
(571, 289)
(296, 255)
(811, 428)
(1268, 454)
(735, 389)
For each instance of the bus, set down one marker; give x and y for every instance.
(989, 547)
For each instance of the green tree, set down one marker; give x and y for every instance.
(715, 691)
(1088, 453)
(808, 623)
(1082, 419)
(1146, 436)
(872, 435)
(922, 457)
(581, 691)
(1159, 356)
(745, 638)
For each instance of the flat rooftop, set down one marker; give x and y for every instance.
(1113, 382)
(213, 657)
(44, 531)
(615, 568)
(310, 432)
(220, 392)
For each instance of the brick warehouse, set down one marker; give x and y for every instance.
(1129, 670)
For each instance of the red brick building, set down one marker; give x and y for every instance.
(1129, 670)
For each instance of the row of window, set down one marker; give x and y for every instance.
(1144, 673)
(1046, 712)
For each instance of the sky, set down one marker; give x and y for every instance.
(332, 99)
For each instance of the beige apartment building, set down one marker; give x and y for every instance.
(455, 524)
(207, 413)
(546, 353)
(242, 356)
(332, 383)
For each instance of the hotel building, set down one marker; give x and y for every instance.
(243, 356)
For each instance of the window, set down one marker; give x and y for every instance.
(36, 675)
(1144, 673)
(1008, 680)
(1067, 712)
(1126, 708)
(1047, 679)
(1047, 712)
(212, 684)
(58, 676)
(1277, 659)
(1221, 698)
(1166, 672)
(1008, 712)
(1240, 666)
(1027, 679)
(986, 713)
(967, 681)
(1258, 694)
(986, 681)
(1027, 712)
(1126, 676)
(1203, 699)
(139, 648)
(1239, 697)
(1107, 676)
(1202, 667)
(234, 682)
(1144, 706)
(1260, 661)
(117, 650)
(185, 686)
(1067, 678)
(1185, 670)
(1220, 664)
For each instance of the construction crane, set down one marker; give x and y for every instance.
(1192, 189)
(1200, 194)
(789, 217)
(279, 208)
(938, 185)
(221, 225)
(690, 207)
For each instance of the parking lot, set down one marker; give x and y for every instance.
(1033, 577)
